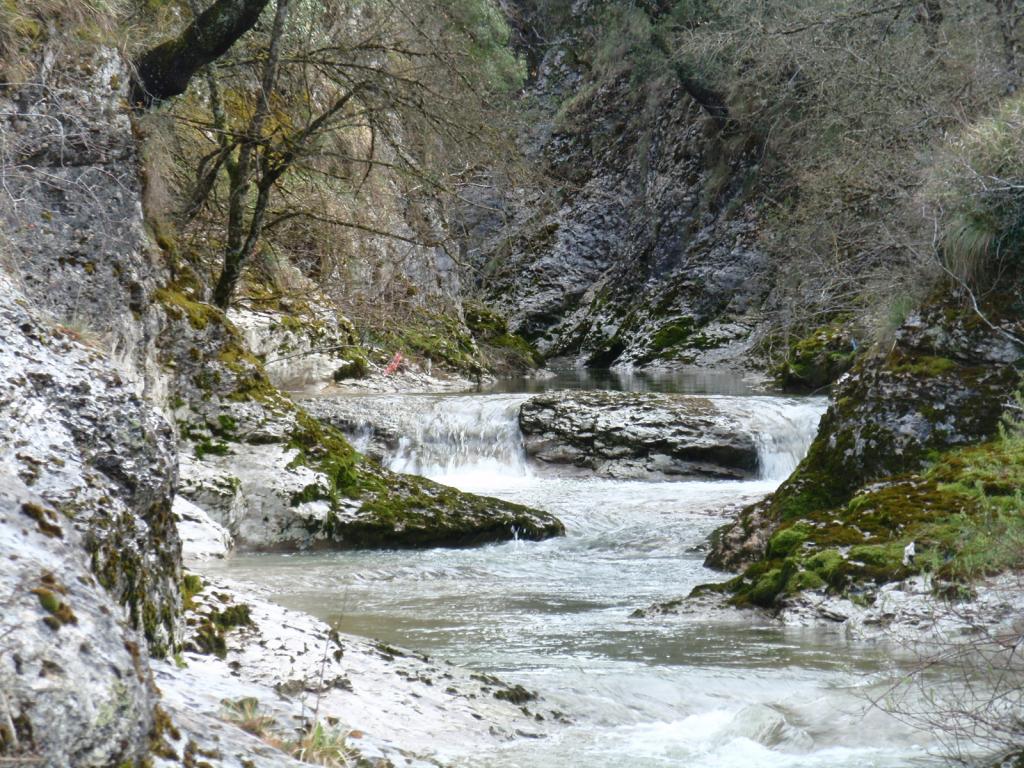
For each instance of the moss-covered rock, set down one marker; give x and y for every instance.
(909, 451)
(503, 351)
(942, 384)
(964, 514)
(817, 360)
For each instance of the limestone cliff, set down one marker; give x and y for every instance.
(638, 246)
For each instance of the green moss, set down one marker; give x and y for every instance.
(178, 305)
(325, 450)
(483, 322)
(233, 616)
(806, 580)
(673, 335)
(59, 610)
(786, 541)
(440, 338)
(206, 447)
(818, 359)
(522, 353)
(923, 366)
(965, 514)
(209, 636)
(826, 564)
(765, 587)
(887, 557)
(45, 519)
(191, 585)
(357, 366)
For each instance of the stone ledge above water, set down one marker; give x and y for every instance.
(638, 435)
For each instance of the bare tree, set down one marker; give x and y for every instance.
(331, 96)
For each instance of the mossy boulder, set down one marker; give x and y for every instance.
(964, 513)
(942, 384)
(817, 360)
(906, 452)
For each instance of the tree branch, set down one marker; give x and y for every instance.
(166, 70)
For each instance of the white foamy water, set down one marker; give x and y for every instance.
(461, 435)
(703, 690)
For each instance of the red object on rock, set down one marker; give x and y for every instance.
(395, 364)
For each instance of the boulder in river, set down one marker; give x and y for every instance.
(641, 435)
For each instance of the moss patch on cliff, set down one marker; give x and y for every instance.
(438, 337)
(179, 305)
(503, 351)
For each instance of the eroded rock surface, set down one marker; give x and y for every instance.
(75, 433)
(91, 558)
(626, 434)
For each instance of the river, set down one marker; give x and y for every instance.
(708, 689)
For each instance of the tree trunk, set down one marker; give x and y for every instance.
(238, 249)
(166, 70)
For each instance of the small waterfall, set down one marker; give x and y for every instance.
(445, 436)
(475, 438)
(782, 427)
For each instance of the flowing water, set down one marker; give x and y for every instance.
(708, 689)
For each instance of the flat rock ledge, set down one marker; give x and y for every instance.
(631, 435)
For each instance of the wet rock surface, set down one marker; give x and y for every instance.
(74, 683)
(71, 211)
(637, 435)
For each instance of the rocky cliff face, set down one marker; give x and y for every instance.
(640, 249)
(92, 561)
(73, 237)
(87, 467)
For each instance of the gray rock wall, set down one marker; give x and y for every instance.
(71, 226)
(91, 558)
(638, 248)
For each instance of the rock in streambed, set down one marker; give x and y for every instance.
(637, 435)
